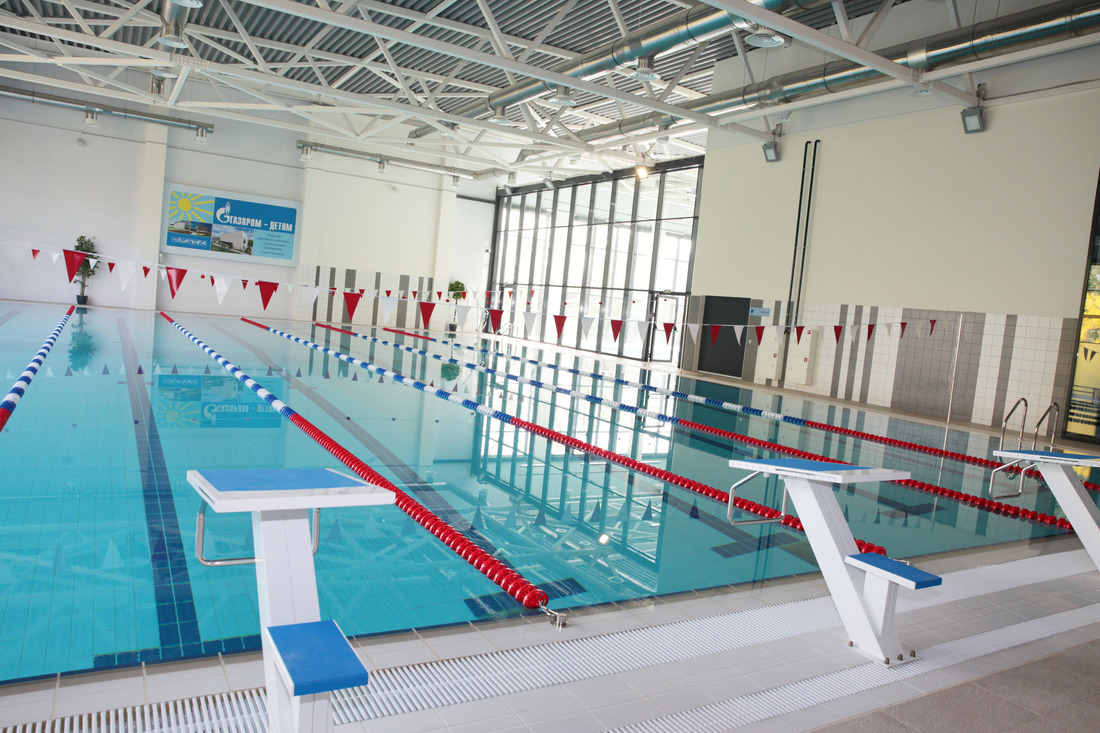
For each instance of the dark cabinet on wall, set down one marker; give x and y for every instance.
(725, 355)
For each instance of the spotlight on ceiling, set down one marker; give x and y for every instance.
(187, 3)
(164, 73)
(782, 117)
(641, 171)
(200, 135)
(91, 117)
(511, 178)
(921, 92)
(644, 70)
(382, 165)
(973, 120)
(307, 154)
(171, 35)
(500, 116)
(765, 38)
(771, 152)
(563, 97)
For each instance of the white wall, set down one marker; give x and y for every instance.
(473, 239)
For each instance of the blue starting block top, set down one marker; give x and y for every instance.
(836, 473)
(894, 570)
(284, 488)
(316, 657)
(1046, 456)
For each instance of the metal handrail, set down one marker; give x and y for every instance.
(1001, 445)
(746, 522)
(200, 531)
(1057, 416)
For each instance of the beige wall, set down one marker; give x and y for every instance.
(911, 212)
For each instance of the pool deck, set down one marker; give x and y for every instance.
(1050, 681)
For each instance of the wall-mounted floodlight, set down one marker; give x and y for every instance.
(200, 135)
(91, 117)
(771, 152)
(307, 154)
(973, 120)
(381, 165)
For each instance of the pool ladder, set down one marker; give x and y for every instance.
(1022, 470)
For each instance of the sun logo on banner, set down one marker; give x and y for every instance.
(190, 206)
(177, 414)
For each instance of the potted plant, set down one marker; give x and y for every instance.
(87, 246)
(457, 291)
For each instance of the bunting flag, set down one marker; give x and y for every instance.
(267, 289)
(739, 334)
(34, 253)
(837, 330)
(870, 330)
(175, 278)
(798, 334)
(510, 294)
(414, 295)
(351, 302)
(559, 323)
(145, 271)
(933, 328)
(110, 267)
(903, 325)
(529, 319)
(715, 329)
(586, 325)
(73, 260)
(361, 291)
(426, 309)
(439, 295)
(643, 330)
(388, 304)
(760, 334)
(309, 295)
(388, 293)
(163, 274)
(92, 262)
(889, 330)
(616, 326)
(693, 331)
(54, 256)
(244, 285)
(494, 318)
(125, 272)
(462, 312)
(221, 288)
(668, 331)
(488, 298)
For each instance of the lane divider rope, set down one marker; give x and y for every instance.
(508, 579)
(660, 474)
(985, 504)
(743, 409)
(11, 400)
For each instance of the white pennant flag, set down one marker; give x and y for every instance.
(54, 256)
(643, 329)
(462, 312)
(289, 287)
(586, 325)
(693, 330)
(388, 304)
(125, 272)
(309, 295)
(163, 273)
(889, 331)
(529, 319)
(92, 262)
(221, 287)
(738, 333)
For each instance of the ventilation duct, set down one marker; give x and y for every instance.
(1029, 28)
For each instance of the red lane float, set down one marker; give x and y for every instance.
(394, 330)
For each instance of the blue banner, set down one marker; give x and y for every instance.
(230, 226)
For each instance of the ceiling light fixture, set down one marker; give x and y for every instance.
(641, 171)
(91, 117)
(563, 97)
(171, 35)
(200, 135)
(973, 120)
(771, 152)
(500, 116)
(381, 165)
(765, 38)
(644, 70)
(164, 73)
(307, 154)
(187, 3)
(921, 92)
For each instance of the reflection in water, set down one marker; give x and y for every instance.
(82, 346)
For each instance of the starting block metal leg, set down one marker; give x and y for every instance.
(1073, 497)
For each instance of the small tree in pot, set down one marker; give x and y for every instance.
(457, 291)
(87, 246)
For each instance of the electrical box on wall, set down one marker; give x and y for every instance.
(800, 358)
(767, 356)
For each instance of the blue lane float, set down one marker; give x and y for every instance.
(11, 400)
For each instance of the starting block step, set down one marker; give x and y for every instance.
(895, 571)
(315, 657)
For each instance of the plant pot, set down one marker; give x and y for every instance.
(82, 300)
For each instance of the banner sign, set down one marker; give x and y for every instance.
(211, 401)
(216, 223)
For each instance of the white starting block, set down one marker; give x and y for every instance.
(304, 658)
(1068, 489)
(864, 586)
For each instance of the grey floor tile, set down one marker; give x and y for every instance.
(1040, 686)
(960, 708)
(876, 722)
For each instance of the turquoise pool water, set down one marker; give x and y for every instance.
(97, 520)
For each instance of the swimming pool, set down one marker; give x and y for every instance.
(97, 520)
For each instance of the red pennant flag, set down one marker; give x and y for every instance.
(488, 297)
(798, 334)
(351, 302)
(145, 271)
(616, 326)
(426, 309)
(34, 253)
(903, 325)
(559, 321)
(244, 285)
(494, 318)
(509, 293)
(932, 330)
(668, 332)
(414, 295)
(532, 292)
(464, 295)
(714, 330)
(73, 261)
(211, 280)
(439, 295)
(175, 278)
(110, 267)
(870, 330)
(836, 332)
(388, 293)
(760, 334)
(266, 291)
(362, 290)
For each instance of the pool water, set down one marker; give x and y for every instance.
(97, 520)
